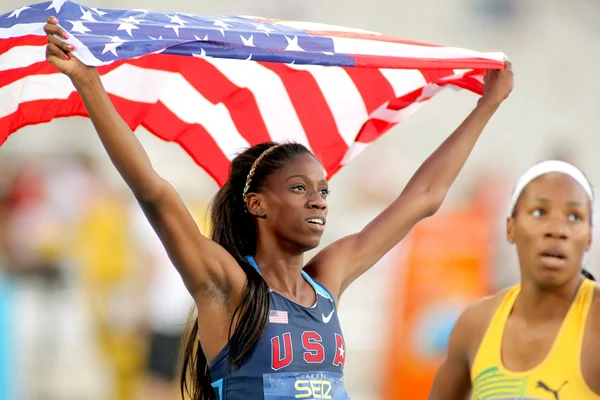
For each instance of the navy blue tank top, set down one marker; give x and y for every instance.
(301, 355)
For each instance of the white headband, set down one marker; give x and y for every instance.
(546, 167)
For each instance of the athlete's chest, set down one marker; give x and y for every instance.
(298, 338)
(525, 346)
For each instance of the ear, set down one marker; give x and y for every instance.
(510, 229)
(254, 203)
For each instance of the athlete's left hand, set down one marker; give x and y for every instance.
(498, 84)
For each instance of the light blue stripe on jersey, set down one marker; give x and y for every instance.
(218, 385)
(318, 288)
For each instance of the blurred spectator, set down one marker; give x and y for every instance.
(167, 305)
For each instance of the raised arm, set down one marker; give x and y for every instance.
(345, 260)
(203, 264)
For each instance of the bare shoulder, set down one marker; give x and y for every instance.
(595, 310)
(475, 319)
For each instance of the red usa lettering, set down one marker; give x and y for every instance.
(282, 351)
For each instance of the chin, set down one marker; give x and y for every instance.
(309, 243)
(552, 279)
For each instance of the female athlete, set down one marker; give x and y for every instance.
(267, 324)
(538, 339)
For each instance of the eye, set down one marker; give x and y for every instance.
(325, 192)
(538, 212)
(575, 217)
(298, 188)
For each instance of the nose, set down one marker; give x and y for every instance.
(556, 228)
(317, 201)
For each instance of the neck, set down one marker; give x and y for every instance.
(281, 269)
(542, 304)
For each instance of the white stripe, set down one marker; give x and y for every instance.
(21, 57)
(22, 30)
(273, 100)
(35, 87)
(179, 96)
(81, 51)
(390, 49)
(170, 88)
(343, 98)
(404, 81)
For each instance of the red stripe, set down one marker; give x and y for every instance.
(372, 130)
(27, 40)
(216, 88)
(194, 139)
(40, 111)
(435, 76)
(374, 88)
(406, 100)
(369, 61)
(314, 113)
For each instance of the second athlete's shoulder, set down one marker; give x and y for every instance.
(475, 319)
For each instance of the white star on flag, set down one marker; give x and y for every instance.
(131, 20)
(18, 11)
(198, 39)
(293, 44)
(127, 27)
(158, 38)
(100, 13)
(79, 27)
(112, 47)
(141, 10)
(201, 55)
(262, 27)
(176, 20)
(175, 28)
(249, 41)
(223, 25)
(87, 15)
(56, 4)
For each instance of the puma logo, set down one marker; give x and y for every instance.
(542, 385)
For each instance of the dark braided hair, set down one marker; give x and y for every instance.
(234, 229)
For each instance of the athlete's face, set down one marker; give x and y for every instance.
(295, 203)
(551, 229)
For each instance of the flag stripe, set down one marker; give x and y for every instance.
(313, 111)
(342, 97)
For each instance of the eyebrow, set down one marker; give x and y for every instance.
(570, 203)
(305, 177)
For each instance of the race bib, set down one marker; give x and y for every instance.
(303, 385)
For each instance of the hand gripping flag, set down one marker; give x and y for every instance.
(217, 84)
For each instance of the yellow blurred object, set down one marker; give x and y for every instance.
(103, 250)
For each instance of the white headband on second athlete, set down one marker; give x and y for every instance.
(546, 167)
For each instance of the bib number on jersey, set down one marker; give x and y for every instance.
(305, 386)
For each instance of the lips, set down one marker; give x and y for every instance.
(319, 221)
(553, 258)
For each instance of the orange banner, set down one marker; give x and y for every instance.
(446, 269)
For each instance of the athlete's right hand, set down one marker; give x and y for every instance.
(58, 53)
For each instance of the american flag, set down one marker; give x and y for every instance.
(278, 317)
(217, 84)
